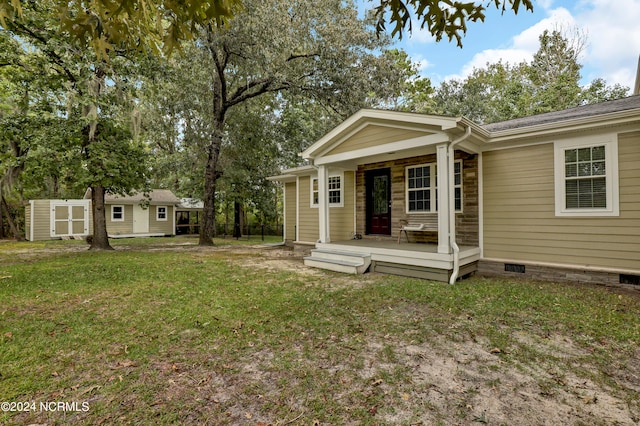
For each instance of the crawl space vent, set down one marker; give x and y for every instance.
(512, 267)
(629, 279)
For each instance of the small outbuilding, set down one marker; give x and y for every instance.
(139, 215)
(188, 216)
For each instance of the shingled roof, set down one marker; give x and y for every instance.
(632, 102)
(156, 196)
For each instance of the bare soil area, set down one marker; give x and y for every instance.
(446, 378)
(467, 379)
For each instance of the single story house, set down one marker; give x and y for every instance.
(126, 216)
(553, 196)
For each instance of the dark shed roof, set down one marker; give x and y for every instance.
(632, 102)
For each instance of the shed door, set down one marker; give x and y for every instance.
(378, 184)
(140, 220)
(69, 218)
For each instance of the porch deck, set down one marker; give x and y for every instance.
(419, 260)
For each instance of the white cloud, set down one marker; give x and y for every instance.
(523, 45)
(614, 39)
(419, 35)
(422, 63)
(545, 4)
(611, 53)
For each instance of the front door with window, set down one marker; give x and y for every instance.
(378, 187)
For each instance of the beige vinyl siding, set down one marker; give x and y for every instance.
(124, 227)
(161, 226)
(290, 210)
(375, 136)
(308, 229)
(341, 219)
(27, 222)
(519, 212)
(41, 220)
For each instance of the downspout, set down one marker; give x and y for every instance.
(452, 207)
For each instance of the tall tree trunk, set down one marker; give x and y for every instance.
(211, 174)
(237, 226)
(12, 225)
(100, 239)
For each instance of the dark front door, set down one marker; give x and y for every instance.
(378, 183)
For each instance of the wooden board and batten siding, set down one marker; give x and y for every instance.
(519, 212)
(466, 220)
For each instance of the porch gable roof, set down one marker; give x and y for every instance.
(402, 131)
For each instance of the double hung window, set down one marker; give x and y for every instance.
(586, 182)
(334, 191)
(422, 187)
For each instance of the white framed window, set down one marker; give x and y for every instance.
(161, 213)
(421, 183)
(457, 185)
(335, 191)
(315, 198)
(117, 213)
(586, 176)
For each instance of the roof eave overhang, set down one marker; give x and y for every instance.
(290, 175)
(379, 117)
(557, 128)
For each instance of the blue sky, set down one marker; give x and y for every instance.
(612, 29)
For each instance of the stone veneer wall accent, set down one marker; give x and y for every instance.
(490, 268)
(467, 231)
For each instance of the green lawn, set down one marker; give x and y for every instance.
(161, 332)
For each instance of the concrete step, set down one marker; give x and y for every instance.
(339, 255)
(339, 261)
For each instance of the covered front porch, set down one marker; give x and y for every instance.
(418, 260)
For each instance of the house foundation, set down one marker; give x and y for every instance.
(559, 274)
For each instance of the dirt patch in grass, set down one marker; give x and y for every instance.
(387, 363)
(470, 382)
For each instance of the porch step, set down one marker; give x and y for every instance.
(339, 261)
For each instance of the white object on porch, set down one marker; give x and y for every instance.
(339, 261)
(429, 225)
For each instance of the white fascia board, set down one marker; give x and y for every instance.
(584, 123)
(369, 116)
(432, 139)
(290, 175)
(282, 178)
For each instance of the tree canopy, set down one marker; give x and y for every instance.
(314, 48)
(105, 25)
(502, 91)
(441, 17)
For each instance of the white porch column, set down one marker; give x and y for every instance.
(323, 205)
(444, 244)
